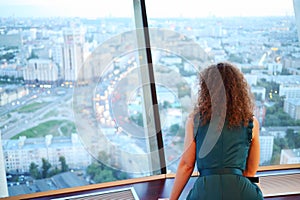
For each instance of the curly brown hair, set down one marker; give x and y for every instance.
(224, 89)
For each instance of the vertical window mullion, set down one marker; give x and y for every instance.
(155, 141)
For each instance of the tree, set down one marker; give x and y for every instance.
(275, 160)
(7, 56)
(174, 128)
(271, 88)
(34, 171)
(183, 90)
(121, 175)
(105, 175)
(45, 168)
(138, 119)
(293, 139)
(64, 166)
(102, 155)
(32, 56)
(271, 120)
(100, 173)
(53, 172)
(166, 104)
(275, 116)
(297, 139)
(279, 144)
(181, 132)
(92, 169)
(257, 96)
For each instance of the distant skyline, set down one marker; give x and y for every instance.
(155, 8)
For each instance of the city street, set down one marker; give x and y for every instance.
(25, 121)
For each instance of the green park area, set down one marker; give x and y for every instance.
(53, 127)
(31, 107)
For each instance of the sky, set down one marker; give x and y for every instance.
(155, 8)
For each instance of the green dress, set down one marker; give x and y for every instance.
(222, 164)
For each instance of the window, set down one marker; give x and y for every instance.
(261, 40)
(114, 108)
(86, 121)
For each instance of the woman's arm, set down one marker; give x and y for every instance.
(187, 161)
(254, 153)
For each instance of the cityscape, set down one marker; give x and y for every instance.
(71, 93)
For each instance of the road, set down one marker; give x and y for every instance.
(131, 140)
(24, 121)
(118, 109)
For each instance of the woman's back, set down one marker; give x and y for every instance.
(230, 150)
(221, 170)
(224, 156)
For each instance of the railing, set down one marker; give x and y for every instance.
(275, 181)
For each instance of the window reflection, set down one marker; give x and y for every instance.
(45, 48)
(263, 43)
(62, 121)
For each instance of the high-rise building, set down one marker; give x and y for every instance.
(297, 15)
(57, 54)
(292, 107)
(41, 71)
(9, 94)
(260, 93)
(50, 148)
(251, 79)
(73, 54)
(289, 91)
(266, 148)
(290, 156)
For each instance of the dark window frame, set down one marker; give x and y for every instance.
(157, 159)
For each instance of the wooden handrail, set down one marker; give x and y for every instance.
(278, 167)
(128, 182)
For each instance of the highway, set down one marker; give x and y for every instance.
(79, 106)
(21, 122)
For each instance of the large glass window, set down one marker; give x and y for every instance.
(84, 98)
(72, 96)
(259, 37)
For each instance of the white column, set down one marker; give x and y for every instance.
(3, 183)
